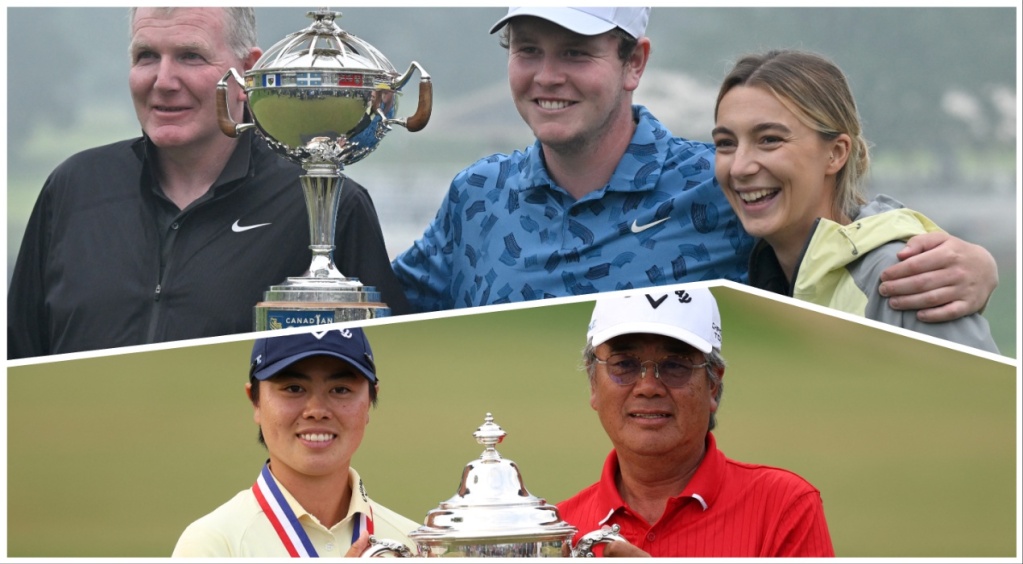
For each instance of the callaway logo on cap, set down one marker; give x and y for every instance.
(687, 314)
(586, 21)
(270, 355)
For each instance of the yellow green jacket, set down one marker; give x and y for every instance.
(841, 268)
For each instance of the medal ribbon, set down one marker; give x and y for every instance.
(362, 523)
(284, 521)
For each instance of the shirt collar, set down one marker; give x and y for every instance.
(702, 487)
(636, 171)
(706, 481)
(237, 167)
(606, 489)
(359, 501)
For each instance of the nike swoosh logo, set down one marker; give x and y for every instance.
(641, 228)
(242, 228)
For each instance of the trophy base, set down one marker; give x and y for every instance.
(291, 305)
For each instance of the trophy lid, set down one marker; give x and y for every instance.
(492, 504)
(324, 45)
(323, 97)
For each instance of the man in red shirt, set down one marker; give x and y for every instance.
(655, 368)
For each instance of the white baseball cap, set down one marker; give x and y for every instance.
(586, 21)
(687, 314)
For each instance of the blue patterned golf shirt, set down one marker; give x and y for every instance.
(506, 232)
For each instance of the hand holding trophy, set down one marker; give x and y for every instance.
(324, 99)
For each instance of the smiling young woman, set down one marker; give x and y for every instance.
(790, 160)
(311, 396)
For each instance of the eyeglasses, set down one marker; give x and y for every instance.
(673, 371)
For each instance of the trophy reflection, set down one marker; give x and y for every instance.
(322, 98)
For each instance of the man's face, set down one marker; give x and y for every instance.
(567, 87)
(647, 418)
(177, 58)
(313, 415)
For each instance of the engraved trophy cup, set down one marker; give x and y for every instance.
(492, 515)
(322, 98)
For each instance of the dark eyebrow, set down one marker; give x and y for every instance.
(767, 126)
(346, 373)
(621, 343)
(759, 128)
(722, 130)
(573, 40)
(289, 375)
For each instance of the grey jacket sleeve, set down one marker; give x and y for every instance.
(972, 330)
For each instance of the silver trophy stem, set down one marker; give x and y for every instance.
(322, 189)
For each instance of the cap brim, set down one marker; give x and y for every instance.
(271, 370)
(582, 23)
(598, 338)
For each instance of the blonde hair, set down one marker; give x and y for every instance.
(817, 92)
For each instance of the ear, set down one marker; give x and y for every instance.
(593, 388)
(250, 61)
(714, 390)
(255, 405)
(840, 150)
(376, 387)
(636, 64)
(247, 63)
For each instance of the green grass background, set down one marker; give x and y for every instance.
(913, 446)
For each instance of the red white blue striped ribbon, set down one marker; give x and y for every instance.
(283, 519)
(287, 525)
(362, 523)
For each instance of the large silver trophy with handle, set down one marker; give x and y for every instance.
(324, 99)
(492, 515)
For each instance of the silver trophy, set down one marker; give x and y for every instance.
(324, 99)
(492, 514)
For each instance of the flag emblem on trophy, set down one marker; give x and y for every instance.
(272, 79)
(309, 79)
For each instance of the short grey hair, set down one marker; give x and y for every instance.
(239, 23)
(715, 367)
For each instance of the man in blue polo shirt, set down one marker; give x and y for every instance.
(607, 198)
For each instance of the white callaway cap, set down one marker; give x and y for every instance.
(586, 21)
(687, 314)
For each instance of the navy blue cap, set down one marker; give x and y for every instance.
(270, 355)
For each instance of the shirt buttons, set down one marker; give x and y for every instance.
(651, 536)
(330, 546)
(175, 225)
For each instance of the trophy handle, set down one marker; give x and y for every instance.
(589, 540)
(418, 120)
(380, 547)
(227, 124)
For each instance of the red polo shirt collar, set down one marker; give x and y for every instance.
(703, 487)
